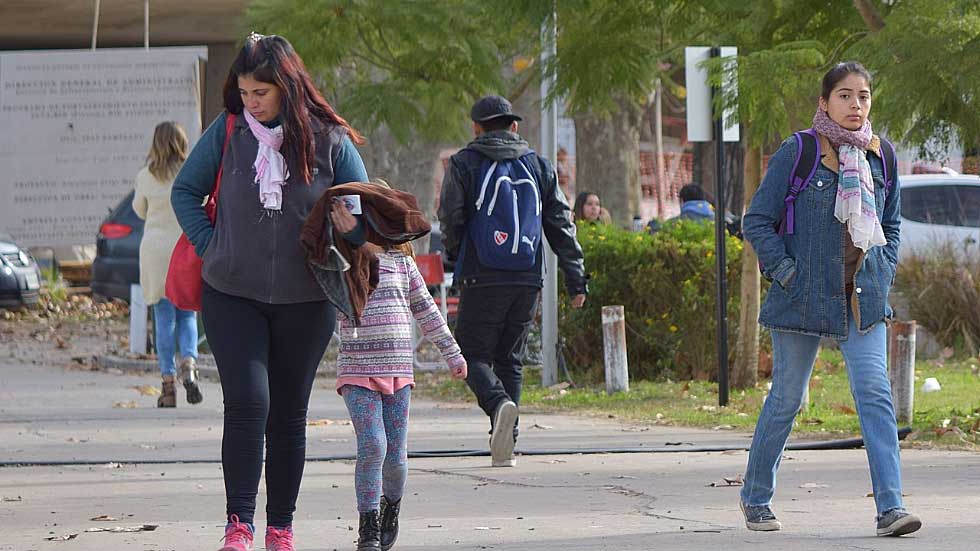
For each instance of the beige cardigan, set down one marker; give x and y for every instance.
(160, 234)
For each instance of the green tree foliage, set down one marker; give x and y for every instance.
(785, 46)
(413, 66)
(926, 63)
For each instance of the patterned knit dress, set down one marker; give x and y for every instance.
(381, 355)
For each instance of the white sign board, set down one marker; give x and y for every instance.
(700, 120)
(76, 128)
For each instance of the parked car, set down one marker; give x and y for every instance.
(117, 251)
(20, 276)
(941, 208)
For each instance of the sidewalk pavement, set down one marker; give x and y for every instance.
(568, 502)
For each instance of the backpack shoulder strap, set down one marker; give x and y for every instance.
(889, 163)
(804, 167)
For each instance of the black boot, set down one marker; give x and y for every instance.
(389, 522)
(369, 533)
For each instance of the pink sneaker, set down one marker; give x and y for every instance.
(279, 539)
(238, 536)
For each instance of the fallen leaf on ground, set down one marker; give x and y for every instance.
(724, 427)
(542, 427)
(104, 518)
(125, 405)
(66, 537)
(319, 422)
(845, 409)
(125, 529)
(728, 481)
(5, 499)
(147, 390)
(451, 406)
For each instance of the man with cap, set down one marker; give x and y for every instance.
(497, 307)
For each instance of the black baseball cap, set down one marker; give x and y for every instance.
(492, 107)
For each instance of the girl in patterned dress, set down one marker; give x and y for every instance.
(375, 377)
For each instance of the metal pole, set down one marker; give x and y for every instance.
(722, 312)
(95, 24)
(549, 149)
(146, 24)
(659, 127)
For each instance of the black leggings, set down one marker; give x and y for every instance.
(267, 355)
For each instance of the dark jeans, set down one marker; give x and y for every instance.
(267, 355)
(491, 328)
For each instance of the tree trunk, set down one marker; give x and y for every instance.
(872, 18)
(413, 167)
(735, 177)
(745, 372)
(608, 159)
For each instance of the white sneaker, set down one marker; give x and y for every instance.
(502, 437)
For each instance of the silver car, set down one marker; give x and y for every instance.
(941, 208)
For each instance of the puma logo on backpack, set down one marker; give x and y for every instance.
(506, 228)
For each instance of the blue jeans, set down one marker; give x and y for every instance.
(169, 320)
(793, 355)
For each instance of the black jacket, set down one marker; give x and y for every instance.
(457, 204)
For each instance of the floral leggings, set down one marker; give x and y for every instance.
(381, 424)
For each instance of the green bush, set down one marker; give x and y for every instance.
(941, 290)
(667, 284)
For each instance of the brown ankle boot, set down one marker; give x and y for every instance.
(189, 377)
(168, 394)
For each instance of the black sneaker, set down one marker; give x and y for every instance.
(898, 522)
(759, 518)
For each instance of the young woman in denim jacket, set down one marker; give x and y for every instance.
(831, 273)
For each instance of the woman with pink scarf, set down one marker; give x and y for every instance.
(831, 254)
(276, 149)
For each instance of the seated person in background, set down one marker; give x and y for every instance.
(694, 206)
(588, 208)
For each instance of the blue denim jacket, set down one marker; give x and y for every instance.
(807, 268)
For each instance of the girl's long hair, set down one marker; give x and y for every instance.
(272, 59)
(168, 151)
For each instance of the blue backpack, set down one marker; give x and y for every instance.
(506, 228)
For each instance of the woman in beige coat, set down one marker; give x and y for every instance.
(175, 328)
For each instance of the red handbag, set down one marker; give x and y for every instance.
(184, 281)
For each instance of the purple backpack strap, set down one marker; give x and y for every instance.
(804, 167)
(887, 158)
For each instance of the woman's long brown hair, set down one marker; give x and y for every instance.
(272, 59)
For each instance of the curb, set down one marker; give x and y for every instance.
(209, 370)
(205, 365)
